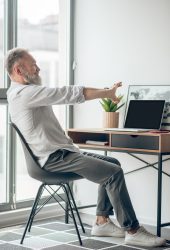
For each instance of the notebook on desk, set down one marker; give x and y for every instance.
(143, 115)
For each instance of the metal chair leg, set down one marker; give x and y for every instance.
(75, 207)
(35, 208)
(32, 212)
(72, 213)
(67, 209)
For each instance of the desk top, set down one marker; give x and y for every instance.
(100, 130)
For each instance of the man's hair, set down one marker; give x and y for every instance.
(12, 57)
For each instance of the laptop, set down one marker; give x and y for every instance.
(143, 115)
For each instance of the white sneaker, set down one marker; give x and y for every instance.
(107, 229)
(144, 238)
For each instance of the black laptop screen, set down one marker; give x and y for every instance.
(145, 114)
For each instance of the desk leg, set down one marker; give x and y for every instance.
(159, 198)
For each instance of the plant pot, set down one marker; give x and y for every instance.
(110, 119)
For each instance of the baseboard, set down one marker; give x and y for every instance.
(20, 216)
(87, 218)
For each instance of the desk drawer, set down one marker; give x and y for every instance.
(135, 141)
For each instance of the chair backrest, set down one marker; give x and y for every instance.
(36, 171)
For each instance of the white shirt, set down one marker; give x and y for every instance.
(30, 109)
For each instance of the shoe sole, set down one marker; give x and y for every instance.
(109, 235)
(143, 244)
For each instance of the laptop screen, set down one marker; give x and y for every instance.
(144, 114)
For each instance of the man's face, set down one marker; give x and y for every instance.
(30, 70)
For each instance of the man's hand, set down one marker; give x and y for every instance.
(92, 93)
(112, 92)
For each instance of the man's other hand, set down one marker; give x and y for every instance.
(112, 92)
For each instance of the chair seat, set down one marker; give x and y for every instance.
(53, 178)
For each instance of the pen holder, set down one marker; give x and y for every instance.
(110, 119)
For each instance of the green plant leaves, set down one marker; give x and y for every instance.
(109, 106)
(120, 106)
(105, 105)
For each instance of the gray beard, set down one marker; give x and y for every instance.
(32, 79)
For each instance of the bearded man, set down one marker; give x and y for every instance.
(30, 107)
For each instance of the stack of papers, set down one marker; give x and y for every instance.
(97, 142)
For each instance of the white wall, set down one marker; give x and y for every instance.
(128, 41)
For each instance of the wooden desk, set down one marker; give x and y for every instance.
(129, 142)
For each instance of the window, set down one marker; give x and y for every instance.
(42, 24)
(47, 28)
(44, 32)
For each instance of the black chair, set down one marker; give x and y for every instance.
(48, 179)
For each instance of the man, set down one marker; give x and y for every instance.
(31, 111)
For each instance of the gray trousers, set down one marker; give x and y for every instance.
(104, 170)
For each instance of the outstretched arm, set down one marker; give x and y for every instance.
(93, 93)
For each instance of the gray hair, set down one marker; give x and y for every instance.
(12, 57)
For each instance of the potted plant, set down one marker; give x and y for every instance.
(111, 116)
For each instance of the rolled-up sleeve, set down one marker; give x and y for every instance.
(34, 96)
